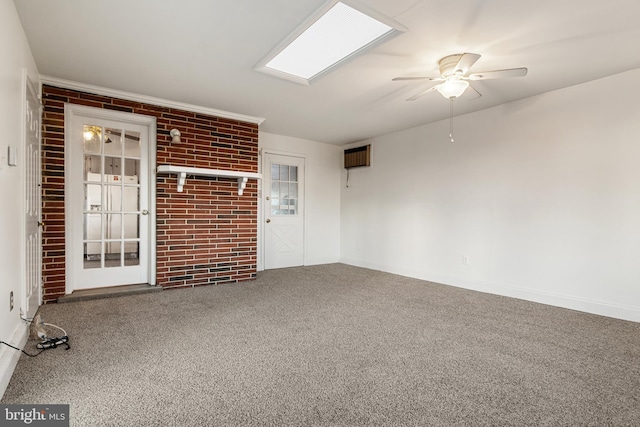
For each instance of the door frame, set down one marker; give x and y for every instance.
(71, 110)
(262, 206)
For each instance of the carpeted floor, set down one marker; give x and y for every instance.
(334, 345)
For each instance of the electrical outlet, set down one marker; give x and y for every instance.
(465, 260)
(11, 301)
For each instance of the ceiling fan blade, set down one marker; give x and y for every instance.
(466, 61)
(499, 74)
(471, 93)
(417, 78)
(424, 92)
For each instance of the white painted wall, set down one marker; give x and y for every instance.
(322, 195)
(16, 56)
(541, 195)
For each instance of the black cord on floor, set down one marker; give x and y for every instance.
(16, 348)
(53, 342)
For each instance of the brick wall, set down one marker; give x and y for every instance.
(206, 234)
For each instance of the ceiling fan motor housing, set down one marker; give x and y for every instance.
(448, 64)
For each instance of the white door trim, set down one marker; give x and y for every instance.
(71, 110)
(262, 207)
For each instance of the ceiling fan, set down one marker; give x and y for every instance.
(454, 71)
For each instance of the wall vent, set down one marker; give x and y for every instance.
(357, 157)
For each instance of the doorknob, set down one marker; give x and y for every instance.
(145, 212)
(268, 220)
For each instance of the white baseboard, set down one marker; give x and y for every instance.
(321, 261)
(9, 357)
(602, 308)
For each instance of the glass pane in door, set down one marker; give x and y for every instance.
(92, 136)
(92, 197)
(131, 229)
(284, 190)
(113, 226)
(131, 253)
(132, 171)
(113, 141)
(93, 255)
(92, 168)
(112, 168)
(132, 144)
(113, 198)
(92, 227)
(113, 254)
(131, 199)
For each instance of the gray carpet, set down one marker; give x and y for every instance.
(334, 345)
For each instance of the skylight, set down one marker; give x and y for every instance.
(328, 38)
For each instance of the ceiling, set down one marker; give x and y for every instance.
(202, 52)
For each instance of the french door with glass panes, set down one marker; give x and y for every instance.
(108, 178)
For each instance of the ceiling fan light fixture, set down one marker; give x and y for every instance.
(453, 87)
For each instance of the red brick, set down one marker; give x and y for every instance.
(189, 230)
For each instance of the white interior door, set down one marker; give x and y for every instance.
(32, 295)
(107, 202)
(284, 211)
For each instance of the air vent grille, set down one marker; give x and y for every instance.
(357, 157)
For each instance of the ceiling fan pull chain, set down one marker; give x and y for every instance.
(451, 119)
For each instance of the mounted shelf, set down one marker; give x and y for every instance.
(181, 173)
